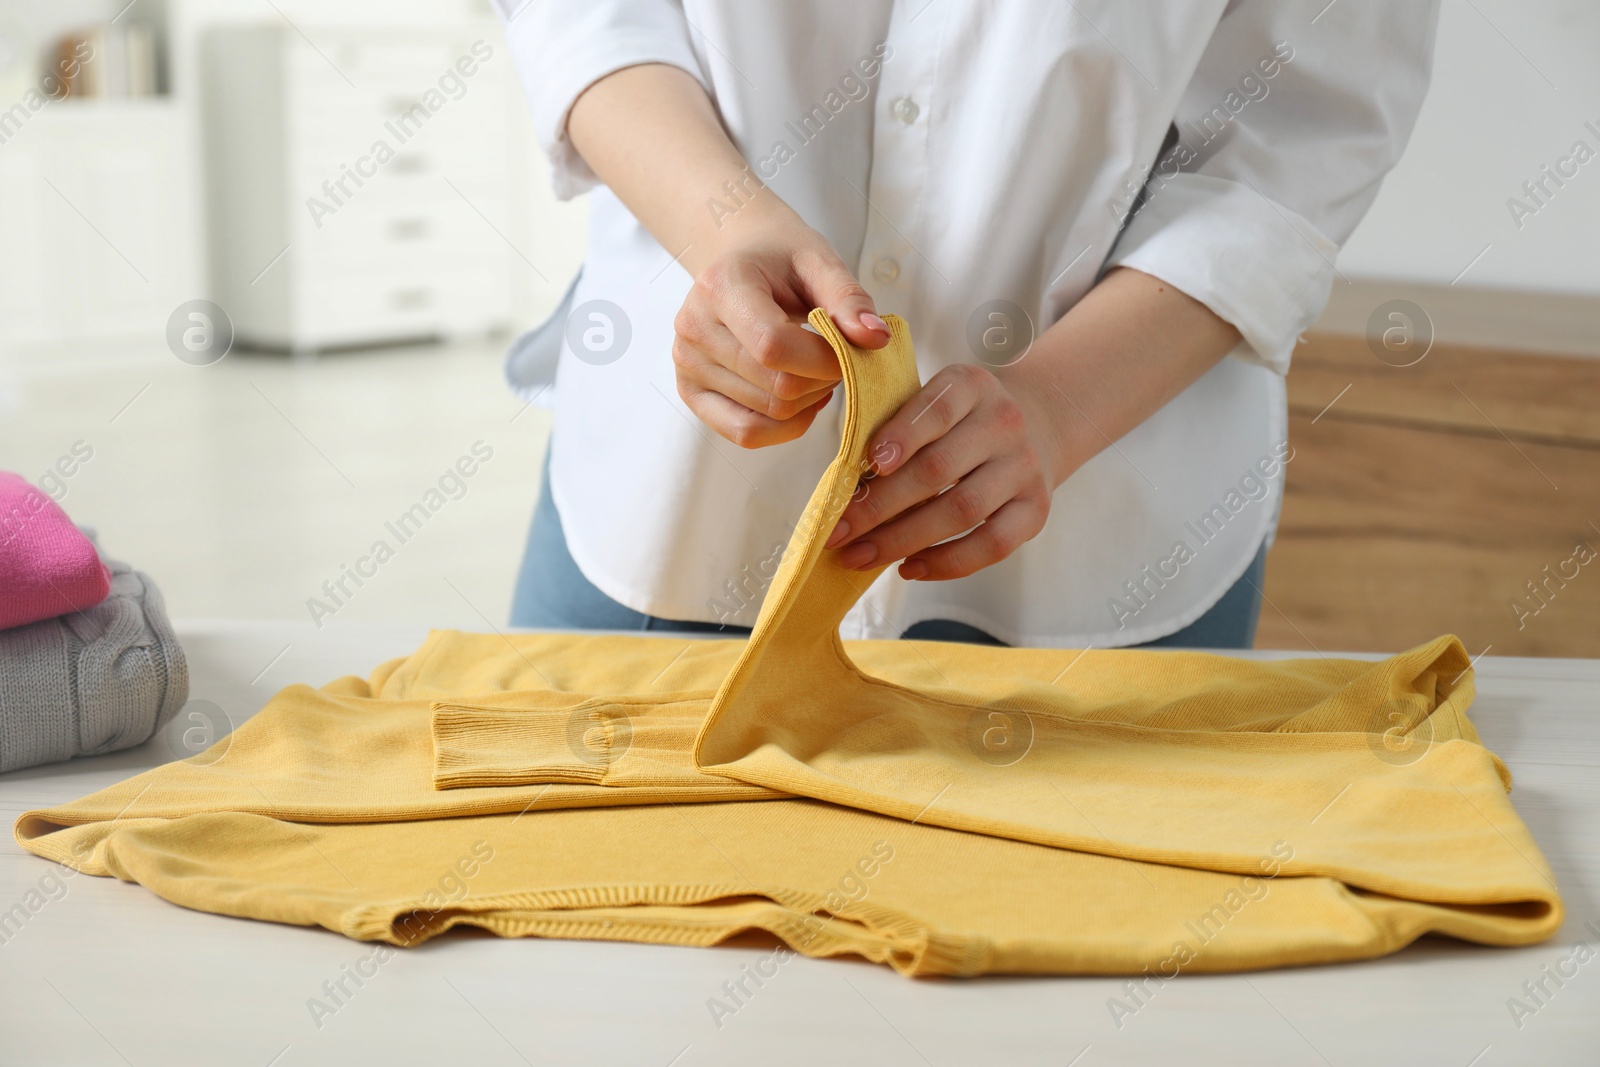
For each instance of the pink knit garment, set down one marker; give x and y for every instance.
(47, 566)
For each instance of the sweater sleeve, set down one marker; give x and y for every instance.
(1286, 131)
(561, 47)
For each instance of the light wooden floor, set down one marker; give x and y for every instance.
(1426, 498)
(242, 487)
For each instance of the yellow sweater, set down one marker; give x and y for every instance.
(946, 809)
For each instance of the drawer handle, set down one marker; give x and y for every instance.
(406, 299)
(408, 229)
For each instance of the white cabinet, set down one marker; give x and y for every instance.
(358, 182)
(96, 230)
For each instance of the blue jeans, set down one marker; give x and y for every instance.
(553, 594)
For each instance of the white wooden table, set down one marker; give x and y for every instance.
(107, 973)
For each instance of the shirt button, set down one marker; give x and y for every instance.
(886, 269)
(905, 109)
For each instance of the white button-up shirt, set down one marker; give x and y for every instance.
(977, 164)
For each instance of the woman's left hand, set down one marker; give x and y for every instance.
(965, 454)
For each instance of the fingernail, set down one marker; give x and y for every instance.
(860, 555)
(840, 532)
(872, 322)
(913, 569)
(885, 458)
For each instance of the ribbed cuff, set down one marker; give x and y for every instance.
(639, 746)
(563, 738)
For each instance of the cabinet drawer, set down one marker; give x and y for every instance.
(393, 103)
(343, 62)
(391, 233)
(474, 125)
(415, 171)
(357, 308)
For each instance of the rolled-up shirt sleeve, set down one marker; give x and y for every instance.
(1272, 173)
(561, 47)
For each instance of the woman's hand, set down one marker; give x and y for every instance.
(964, 454)
(744, 363)
(982, 452)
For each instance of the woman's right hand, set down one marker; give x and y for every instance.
(745, 364)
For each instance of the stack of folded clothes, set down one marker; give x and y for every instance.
(88, 660)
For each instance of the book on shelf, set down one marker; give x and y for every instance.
(107, 61)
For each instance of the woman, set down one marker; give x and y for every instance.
(1106, 225)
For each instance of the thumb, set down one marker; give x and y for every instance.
(834, 289)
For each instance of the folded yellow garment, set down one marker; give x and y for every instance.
(826, 879)
(971, 809)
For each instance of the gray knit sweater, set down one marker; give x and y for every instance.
(91, 682)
